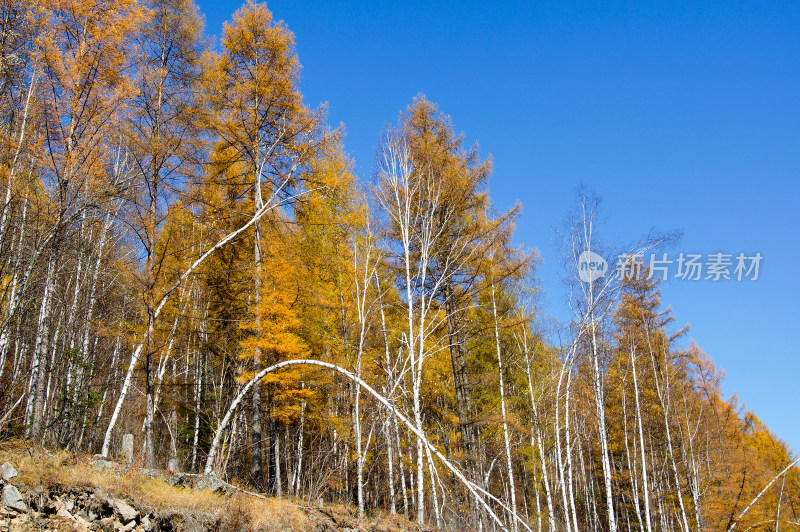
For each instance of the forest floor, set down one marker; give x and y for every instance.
(60, 491)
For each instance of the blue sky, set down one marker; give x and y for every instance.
(680, 115)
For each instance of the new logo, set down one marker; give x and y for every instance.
(591, 266)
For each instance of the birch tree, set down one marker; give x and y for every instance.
(263, 128)
(85, 60)
(162, 140)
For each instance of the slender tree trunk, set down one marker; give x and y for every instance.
(601, 422)
(632, 464)
(559, 454)
(299, 467)
(111, 371)
(434, 495)
(458, 361)
(570, 467)
(198, 390)
(402, 466)
(150, 410)
(275, 443)
(258, 273)
(360, 453)
(645, 483)
(663, 396)
(509, 465)
(551, 520)
(38, 366)
(389, 391)
(14, 282)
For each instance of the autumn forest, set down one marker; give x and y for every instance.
(187, 255)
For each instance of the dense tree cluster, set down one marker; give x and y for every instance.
(175, 222)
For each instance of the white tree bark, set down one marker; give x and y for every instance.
(509, 465)
(645, 483)
(137, 352)
(771, 482)
(363, 269)
(551, 519)
(39, 362)
(475, 490)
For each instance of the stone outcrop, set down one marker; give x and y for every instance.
(89, 508)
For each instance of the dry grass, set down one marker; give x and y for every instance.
(39, 468)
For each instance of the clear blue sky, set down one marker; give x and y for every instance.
(680, 115)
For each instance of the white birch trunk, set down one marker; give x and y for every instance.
(476, 491)
(551, 520)
(509, 465)
(137, 352)
(36, 397)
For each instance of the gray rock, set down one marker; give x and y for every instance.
(12, 498)
(211, 482)
(102, 464)
(147, 524)
(324, 526)
(7, 471)
(125, 511)
(179, 480)
(101, 504)
(101, 495)
(82, 522)
(192, 524)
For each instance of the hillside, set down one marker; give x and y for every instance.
(65, 492)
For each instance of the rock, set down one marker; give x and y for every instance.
(22, 522)
(324, 526)
(147, 524)
(192, 524)
(99, 505)
(211, 482)
(7, 471)
(12, 498)
(179, 480)
(62, 512)
(102, 465)
(100, 494)
(125, 511)
(127, 449)
(83, 524)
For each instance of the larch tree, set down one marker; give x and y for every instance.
(162, 138)
(261, 124)
(85, 54)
